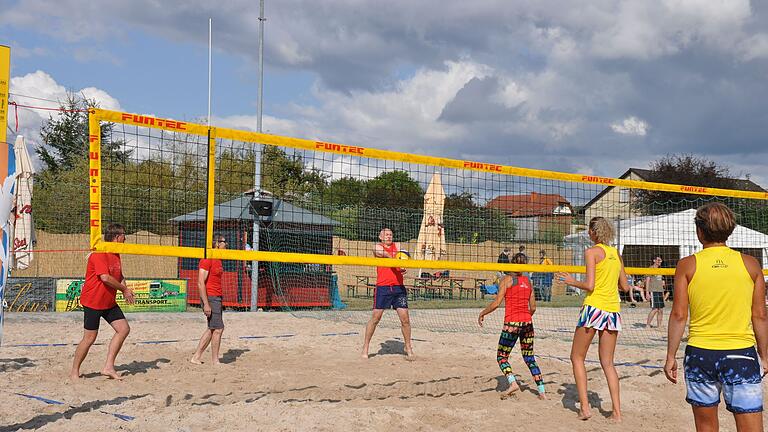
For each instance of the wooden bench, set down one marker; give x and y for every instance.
(479, 286)
(425, 287)
(467, 290)
(450, 285)
(361, 282)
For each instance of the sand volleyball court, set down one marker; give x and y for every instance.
(284, 372)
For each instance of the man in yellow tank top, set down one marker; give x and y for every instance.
(728, 330)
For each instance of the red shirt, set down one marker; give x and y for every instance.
(215, 270)
(516, 307)
(96, 294)
(387, 276)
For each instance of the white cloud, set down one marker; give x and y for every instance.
(398, 117)
(512, 94)
(650, 29)
(631, 126)
(38, 89)
(289, 50)
(754, 47)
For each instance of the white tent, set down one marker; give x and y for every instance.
(674, 229)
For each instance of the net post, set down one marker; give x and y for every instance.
(94, 177)
(209, 216)
(255, 236)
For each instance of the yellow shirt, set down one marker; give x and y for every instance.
(720, 301)
(605, 296)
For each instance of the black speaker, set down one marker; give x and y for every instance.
(260, 207)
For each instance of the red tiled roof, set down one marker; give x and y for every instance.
(533, 204)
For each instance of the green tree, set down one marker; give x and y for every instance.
(287, 177)
(477, 224)
(698, 171)
(60, 200)
(683, 169)
(344, 192)
(146, 195)
(464, 200)
(234, 174)
(66, 136)
(348, 218)
(394, 189)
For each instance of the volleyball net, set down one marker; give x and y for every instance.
(301, 218)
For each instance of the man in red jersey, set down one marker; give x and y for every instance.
(103, 278)
(209, 286)
(390, 293)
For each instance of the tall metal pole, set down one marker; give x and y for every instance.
(257, 162)
(260, 107)
(210, 48)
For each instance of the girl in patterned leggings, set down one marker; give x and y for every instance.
(515, 290)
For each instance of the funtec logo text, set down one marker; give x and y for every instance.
(153, 121)
(597, 179)
(339, 148)
(482, 166)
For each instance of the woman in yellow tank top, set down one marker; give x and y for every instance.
(599, 313)
(725, 293)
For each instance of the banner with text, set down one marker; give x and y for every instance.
(152, 295)
(30, 294)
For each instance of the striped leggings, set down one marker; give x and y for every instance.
(509, 335)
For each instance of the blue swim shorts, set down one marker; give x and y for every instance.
(736, 372)
(391, 297)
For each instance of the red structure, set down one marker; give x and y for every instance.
(281, 285)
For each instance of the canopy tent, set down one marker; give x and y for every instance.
(673, 229)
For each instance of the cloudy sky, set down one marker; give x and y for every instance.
(592, 87)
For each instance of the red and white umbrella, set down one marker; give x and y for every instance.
(23, 232)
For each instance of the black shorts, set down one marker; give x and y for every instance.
(657, 300)
(92, 317)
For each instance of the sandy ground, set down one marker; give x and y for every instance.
(283, 372)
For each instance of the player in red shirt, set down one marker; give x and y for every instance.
(520, 305)
(390, 293)
(103, 278)
(209, 286)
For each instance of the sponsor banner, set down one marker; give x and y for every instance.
(33, 294)
(152, 295)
